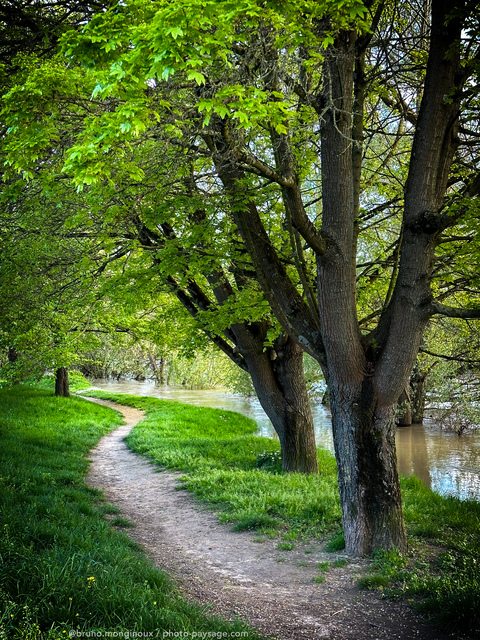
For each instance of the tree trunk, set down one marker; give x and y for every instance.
(365, 373)
(367, 471)
(418, 395)
(61, 382)
(161, 369)
(404, 407)
(157, 370)
(279, 382)
(296, 433)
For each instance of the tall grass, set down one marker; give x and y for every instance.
(218, 454)
(62, 567)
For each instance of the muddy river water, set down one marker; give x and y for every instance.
(445, 462)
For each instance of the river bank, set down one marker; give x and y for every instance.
(444, 462)
(67, 566)
(216, 455)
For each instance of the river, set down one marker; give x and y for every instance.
(445, 462)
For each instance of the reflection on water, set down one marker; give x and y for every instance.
(445, 462)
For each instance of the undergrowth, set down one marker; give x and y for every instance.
(440, 575)
(63, 568)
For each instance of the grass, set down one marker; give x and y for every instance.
(63, 567)
(440, 575)
(227, 466)
(219, 455)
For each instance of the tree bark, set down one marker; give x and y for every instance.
(279, 382)
(368, 481)
(61, 382)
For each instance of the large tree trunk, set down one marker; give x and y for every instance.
(365, 373)
(299, 451)
(363, 426)
(278, 380)
(367, 471)
(61, 382)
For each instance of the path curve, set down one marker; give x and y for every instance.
(230, 572)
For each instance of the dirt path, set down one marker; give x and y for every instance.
(273, 589)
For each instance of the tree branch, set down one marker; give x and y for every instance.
(453, 312)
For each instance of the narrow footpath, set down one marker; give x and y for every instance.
(232, 574)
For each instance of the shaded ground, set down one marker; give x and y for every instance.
(231, 573)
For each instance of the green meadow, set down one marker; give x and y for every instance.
(65, 568)
(225, 465)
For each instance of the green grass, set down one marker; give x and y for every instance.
(62, 565)
(237, 473)
(224, 464)
(440, 575)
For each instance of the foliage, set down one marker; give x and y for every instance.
(63, 567)
(269, 461)
(263, 155)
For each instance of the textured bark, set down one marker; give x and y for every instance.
(61, 382)
(367, 471)
(363, 430)
(280, 386)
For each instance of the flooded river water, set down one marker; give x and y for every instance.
(445, 462)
